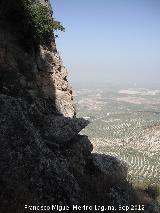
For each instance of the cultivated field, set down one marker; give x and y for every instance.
(125, 123)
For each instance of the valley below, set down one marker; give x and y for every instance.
(124, 123)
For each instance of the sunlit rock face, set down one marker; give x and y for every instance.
(52, 79)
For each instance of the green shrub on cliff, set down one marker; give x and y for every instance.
(30, 17)
(41, 22)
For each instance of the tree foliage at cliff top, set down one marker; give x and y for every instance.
(32, 18)
(40, 20)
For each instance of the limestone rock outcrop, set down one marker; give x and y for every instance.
(62, 129)
(51, 69)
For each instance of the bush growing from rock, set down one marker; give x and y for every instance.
(30, 17)
(40, 21)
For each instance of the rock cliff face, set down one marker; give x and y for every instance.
(43, 159)
(34, 73)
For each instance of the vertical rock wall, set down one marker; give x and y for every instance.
(51, 69)
(34, 72)
(49, 60)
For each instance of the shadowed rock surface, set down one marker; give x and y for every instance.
(111, 166)
(43, 159)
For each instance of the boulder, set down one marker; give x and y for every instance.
(110, 166)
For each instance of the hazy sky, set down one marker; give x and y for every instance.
(110, 40)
